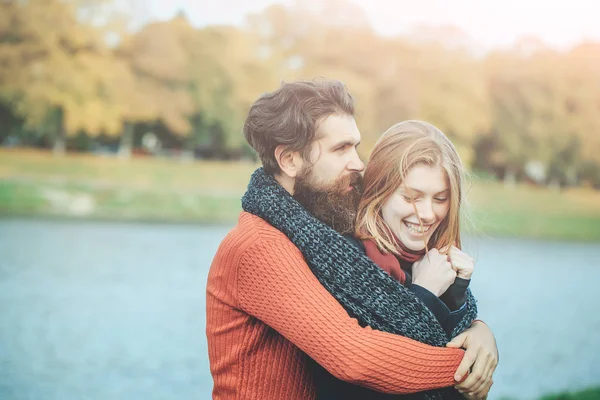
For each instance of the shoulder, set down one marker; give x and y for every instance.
(261, 230)
(252, 247)
(253, 233)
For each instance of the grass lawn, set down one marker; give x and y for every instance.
(588, 394)
(34, 183)
(529, 211)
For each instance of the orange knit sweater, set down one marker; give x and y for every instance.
(267, 313)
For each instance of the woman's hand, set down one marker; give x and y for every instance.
(461, 262)
(434, 272)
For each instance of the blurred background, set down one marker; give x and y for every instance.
(122, 165)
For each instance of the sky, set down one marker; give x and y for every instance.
(491, 24)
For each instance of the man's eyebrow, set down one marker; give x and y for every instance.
(345, 143)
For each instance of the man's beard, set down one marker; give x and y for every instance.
(333, 204)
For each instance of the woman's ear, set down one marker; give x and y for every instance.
(290, 162)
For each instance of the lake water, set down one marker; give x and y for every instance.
(94, 311)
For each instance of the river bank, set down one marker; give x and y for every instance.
(91, 187)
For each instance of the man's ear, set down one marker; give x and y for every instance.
(290, 162)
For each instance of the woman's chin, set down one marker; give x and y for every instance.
(416, 247)
(412, 243)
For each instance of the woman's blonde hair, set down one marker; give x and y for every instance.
(398, 150)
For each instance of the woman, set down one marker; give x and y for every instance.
(411, 204)
(408, 223)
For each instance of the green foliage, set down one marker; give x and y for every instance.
(55, 69)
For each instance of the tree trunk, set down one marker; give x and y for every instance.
(60, 141)
(126, 143)
(510, 177)
(187, 153)
(59, 145)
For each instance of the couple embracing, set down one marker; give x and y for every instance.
(340, 281)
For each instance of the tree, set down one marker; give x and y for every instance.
(528, 115)
(453, 95)
(154, 80)
(55, 68)
(580, 68)
(227, 75)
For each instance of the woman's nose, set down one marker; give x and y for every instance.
(426, 211)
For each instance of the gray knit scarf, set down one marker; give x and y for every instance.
(359, 285)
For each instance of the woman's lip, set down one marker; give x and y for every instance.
(417, 223)
(418, 234)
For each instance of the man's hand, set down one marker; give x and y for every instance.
(481, 357)
(466, 396)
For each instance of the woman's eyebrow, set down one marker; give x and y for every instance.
(421, 192)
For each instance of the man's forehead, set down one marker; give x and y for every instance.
(337, 128)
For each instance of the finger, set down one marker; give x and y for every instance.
(490, 368)
(458, 341)
(473, 381)
(483, 393)
(480, 373)
(459, 259)
(469, 384)
(477, 385)
(454, 251)
(486, 390)
(467, 396)
(465, 365)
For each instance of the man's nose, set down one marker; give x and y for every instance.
(356, 163)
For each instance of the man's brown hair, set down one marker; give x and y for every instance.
(290, 116)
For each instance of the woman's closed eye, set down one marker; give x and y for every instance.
(410, 199)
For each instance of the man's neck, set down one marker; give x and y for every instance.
(286, 182)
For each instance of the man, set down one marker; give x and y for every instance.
(266, 311)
